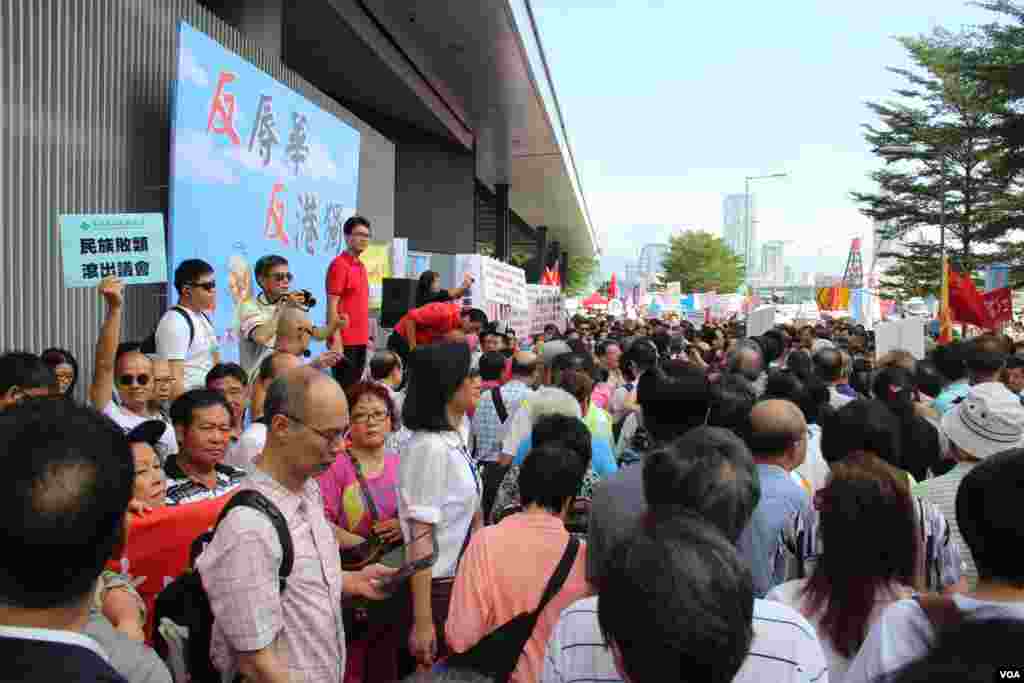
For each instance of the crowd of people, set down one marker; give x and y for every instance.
(614, 500)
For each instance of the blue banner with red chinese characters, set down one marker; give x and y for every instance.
(256, 169)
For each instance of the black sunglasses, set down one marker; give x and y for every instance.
(283, 277)
(208, 286)
(131, 380)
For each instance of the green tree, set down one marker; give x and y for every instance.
(916, 272)
(701, 262)
(580, 274)
(947, 124)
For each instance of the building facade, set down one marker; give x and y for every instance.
(773, 262)
(463, 145)
(739, 232)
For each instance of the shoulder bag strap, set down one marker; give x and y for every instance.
(557, 579)
(191, 327)
(364, 489)
(254, 499)
(499, 404)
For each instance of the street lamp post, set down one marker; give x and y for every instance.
(747, 217)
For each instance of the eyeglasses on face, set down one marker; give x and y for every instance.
(208, 286)
(282, 277)
(367, 418)
(333, 437)
(131, 380)
(361, 235)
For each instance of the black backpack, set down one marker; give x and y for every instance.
(148, 346)
(497, 653)
(184, 600)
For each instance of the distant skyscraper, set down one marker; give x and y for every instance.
(773, 262)
(738, 232)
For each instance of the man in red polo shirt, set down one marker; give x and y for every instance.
(348, 299)
(434, 323)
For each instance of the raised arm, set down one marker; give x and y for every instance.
(102, 389)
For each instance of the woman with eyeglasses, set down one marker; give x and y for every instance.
(440, 490)
(127, 368)
(360, 492)
(64, 367)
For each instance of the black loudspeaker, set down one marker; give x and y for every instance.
(398, 295)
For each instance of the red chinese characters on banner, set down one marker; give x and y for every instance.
(999, 304)
(274, 229)
(222, 110)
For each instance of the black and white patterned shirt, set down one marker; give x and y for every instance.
(183, 489)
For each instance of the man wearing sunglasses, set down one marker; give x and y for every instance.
(185, 334)
(259, 316)
(125, 367)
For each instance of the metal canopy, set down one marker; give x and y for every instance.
(478, 66)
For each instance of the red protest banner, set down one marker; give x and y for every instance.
(999, 304)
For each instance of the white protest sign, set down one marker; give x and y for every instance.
(904, 335)
(498, 288)
(616, 307)
(760, 321)
(546, 308)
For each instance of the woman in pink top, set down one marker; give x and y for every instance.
(372, 648)
(507, 566)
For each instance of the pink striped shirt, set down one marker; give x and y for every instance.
(240, 568)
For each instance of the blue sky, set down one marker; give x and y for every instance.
(670, 104)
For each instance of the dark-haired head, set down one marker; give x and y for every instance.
(732, 398)
(68, 477)
(929, 379)
(189, 272)
(185, 408)
(23, 375)
(383, 365)
(354, 222)
(551, 476)
(64, 367)
(976, 651)
(436, 374)
(808, 392)
(708, 472)
(828, 364)
(492, 366)
(561, 429)
(800, 364)
(426, 286)
(864, 426)
(674, 405)
(867, 514)
(985, 357)
(987, 504)
(695, 594)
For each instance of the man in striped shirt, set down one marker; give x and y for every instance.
(710, 474)
(202, 423)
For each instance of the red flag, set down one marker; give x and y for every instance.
(613, 288)
(966, 304)
(999, 305)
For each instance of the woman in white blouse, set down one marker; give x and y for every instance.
(439, 487)
(869, 562)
